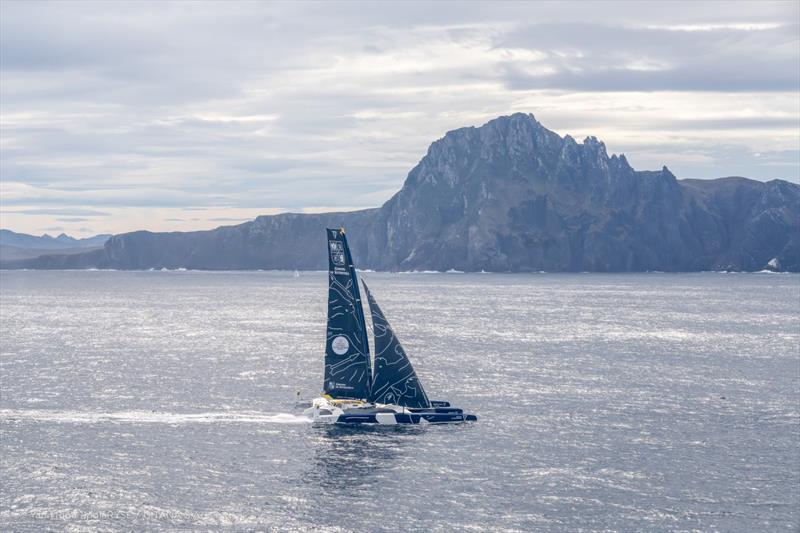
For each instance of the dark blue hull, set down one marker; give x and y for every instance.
(411, 416)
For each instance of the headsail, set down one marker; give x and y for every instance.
(348, 372)
(395, 381)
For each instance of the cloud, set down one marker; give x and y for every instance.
(711, 57)
(61, 211)
(157, 108)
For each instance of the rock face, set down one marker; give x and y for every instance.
(507, 196)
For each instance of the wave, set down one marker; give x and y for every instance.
(150, 417)
(765, 271)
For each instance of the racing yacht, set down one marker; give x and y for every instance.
(353, 392)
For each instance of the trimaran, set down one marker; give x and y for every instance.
(354, 393)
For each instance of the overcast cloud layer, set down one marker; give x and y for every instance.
(177, 116)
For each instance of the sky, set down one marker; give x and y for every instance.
(179, 116)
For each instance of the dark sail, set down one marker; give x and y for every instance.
(347, 363)
(395, 381)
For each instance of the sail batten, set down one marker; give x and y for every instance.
(394, 380)
(348, 372)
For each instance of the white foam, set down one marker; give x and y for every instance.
(151, 417)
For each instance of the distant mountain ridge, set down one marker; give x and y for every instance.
(16, 246)
(510, 195)
(46, 242)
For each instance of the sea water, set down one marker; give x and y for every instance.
(636, 402)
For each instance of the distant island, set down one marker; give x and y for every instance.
(510, 195)
(21, 246)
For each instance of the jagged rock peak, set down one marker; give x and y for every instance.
(594, 144)
(522, 131)
(505, 123)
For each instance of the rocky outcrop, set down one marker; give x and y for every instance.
(507, 196)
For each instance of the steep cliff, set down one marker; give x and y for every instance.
(510, 195)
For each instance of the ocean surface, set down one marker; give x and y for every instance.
(166, 400)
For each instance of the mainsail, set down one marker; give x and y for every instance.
(395, 381)
(347, 363)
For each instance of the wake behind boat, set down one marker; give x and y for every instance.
(354, 393)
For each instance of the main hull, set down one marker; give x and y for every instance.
(393, 419)
(356, 413)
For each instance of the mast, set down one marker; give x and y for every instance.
(348, 372)
(395, 381)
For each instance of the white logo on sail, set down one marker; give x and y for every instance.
(337, 252)
(340, 345)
